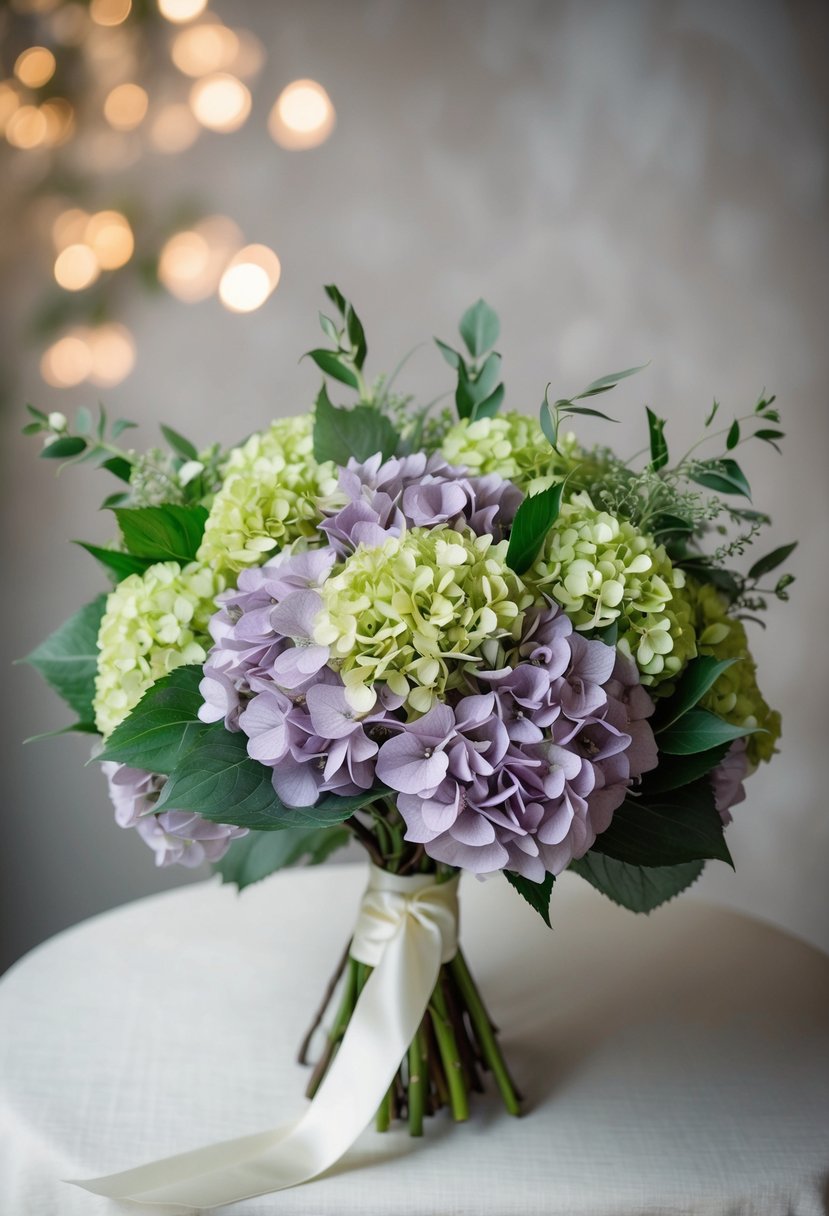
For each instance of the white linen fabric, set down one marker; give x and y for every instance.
(406, 927)
(675, 1064)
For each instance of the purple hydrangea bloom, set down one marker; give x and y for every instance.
(176, 837)
(728, 777)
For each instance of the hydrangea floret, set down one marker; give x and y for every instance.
(513, 446)
(269, 498)
(605, 573)
(153, 622)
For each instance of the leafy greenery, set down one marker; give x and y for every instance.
(532, 522)
(341, 433)
(700, 674)
(162, 534)
(637, 888)
(698, 731)
(68, 659)
(479, 394)
(164, 726)
(253, 857)
(553, 415)
(116, 562)
(666, 829)
(537, 894)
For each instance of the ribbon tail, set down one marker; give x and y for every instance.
(385, 1020)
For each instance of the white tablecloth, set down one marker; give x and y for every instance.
(672, 1064)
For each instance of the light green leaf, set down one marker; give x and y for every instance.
(181, 446)
(698, 731)
(479, 327)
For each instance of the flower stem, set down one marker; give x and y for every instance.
(448, 1047)
(416, 1094)
(485, 1034)
(347, 1003)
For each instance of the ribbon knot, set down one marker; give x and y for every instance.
(406, 927)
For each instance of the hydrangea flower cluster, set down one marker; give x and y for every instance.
(513, 446)
(153, 622)
(736, 695)
(407, 653)
(605, 573)
(269, 497)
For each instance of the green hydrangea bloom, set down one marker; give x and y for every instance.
(268, 498)
(603, 572)
(512, 445)
(735, 696)
(415, 610)
(153, 622)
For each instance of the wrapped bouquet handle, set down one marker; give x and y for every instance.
(406, 929)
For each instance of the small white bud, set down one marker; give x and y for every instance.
(57, 423)
(189, 470)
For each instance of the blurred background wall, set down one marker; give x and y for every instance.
(623, 181)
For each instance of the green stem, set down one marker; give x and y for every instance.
(383, 1118)
(416, 1088)
(485, 1034)
(450, 1056)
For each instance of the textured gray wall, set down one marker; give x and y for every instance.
(623, 181)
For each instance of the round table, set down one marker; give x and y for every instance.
(677, 1063)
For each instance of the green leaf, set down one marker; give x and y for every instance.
(120, 425)
(659, 445)
(605, 383)
(670, 525)
(356, 335)
(120, 564)
(329, 328)
(119, 467)
(490, 405)
(68, 659)
(637, 888)
(698, 730)
(181, 446)
(67, 446)
(713, 413)
(83, 421)
(163, 727)
(588, 412)
(700, 674)
(479, 327)
(37, 414)
(724, 580)
(772, 560)
(667, 829)
(168, 533)
(724, 476)
(532, 522)
(733, 437)
(450, 355)
(333, 365)
(360, 432)
(255, 856)
(80, 728)
(336, 297)
(675, 771)
(537, 894)
(547, 418)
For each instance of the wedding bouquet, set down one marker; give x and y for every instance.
(459, 637)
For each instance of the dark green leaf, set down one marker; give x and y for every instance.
(451, 356)
(605, 383)
(32, 428)
(491, 405)
(333, 365)
(356, 336)
(479, 327)
(724, 580)
(168, 533)
(671, 524)
(37, 414)
(781, 585)
(119, 467)
(115, 500)
(67, 446)
(724, 476)
(667, 829)
(68, 660)
(713, 413)
(163, 727)
(675, 771)
(255, 856)
(547, 418)
(79, 728)
(181, 446)
(120, 564)
(733, 437)
(697, 731)
(700, 674)
(537, 894)
(637, 888)
(588, 412)
(336, 297)
(360, 432)
(772, 560)
(532, 522)
(659, 446)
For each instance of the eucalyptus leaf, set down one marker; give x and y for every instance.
(64, 448)
(356, 335)
(450, 355)
(490, 405)
(537, 894)
(119, 467)
(637, 888)
(479, 327)
(772, 560)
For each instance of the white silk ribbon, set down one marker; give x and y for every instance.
(406, 927)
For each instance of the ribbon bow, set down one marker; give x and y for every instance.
(406, 927)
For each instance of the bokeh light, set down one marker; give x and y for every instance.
(174, 128)
(76, 267)
(180, 11)
(35, 67)
(249, 279)
(109, 12)
(126, 106)
(67, 362)
(60, 121)
(302, 116)
(201, 49)
(9, 102)
(112, 352)
(220, 102)
(69, 24)
(191, 262)
(69, 228)
(109, 235)
(26, 127)
(250, 56)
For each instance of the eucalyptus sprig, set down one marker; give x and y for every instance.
(344, 362)
(479, 392)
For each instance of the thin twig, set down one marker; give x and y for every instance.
(302, 1057)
